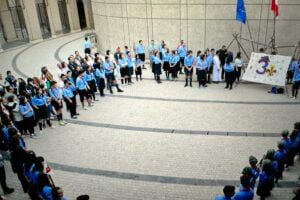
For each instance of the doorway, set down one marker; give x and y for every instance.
(43, 18)
(63, 13)
(81, 14)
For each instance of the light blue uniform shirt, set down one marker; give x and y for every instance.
(38, 101)
(80, 83)
(87, 44)
(152, 47)
(222, 198)
(182, 51)
(201, 64)
(210, 60)
(122, 62)
(129, 61)
(68, 93)
(71, 80)
(138, 62)
(106, 66)
(174, 59)
(228, 67)
(166, 57)
(297, 75)
(156, 59)
(99, 73)
(89, 77)
(140, 49)
(188, 61)
(55, 92)
(24, 108)
(293, 66)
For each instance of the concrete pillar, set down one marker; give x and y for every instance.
(54, 17)
(73, 15)
(7, 21)
(88, 14)
(32, 21)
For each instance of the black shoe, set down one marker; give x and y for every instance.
(74, 117)
(9, 190)
(204, 85)
(120, 90)
(111, 92)
(185, 85)
(226, 87)
(77, 114)
(191, 85)
(102, 95)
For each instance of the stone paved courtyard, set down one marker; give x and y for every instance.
(155, 141)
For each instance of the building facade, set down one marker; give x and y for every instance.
(35, 20)
(201, 23)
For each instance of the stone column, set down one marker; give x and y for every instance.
(32, 21)
(88, 13)
(7, 21)
(54, 17)
(73, 15)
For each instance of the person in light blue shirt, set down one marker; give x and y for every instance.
(109, 74)
(100, 76)
(87, 46)
(27, 112)
(156, 65)
(296, 82)
(123, 63)
(210, 64)
(82, 88)
(201, 66)
(56, 101)
(140, 51)
(229, 71)
(290, 73)
(182, 51)
(130, 67)
(90, 79)
(166, 58)
(189, 62)
(152, 47)
(138, 67)
(69, 99)
(174, 64)
(228, 191)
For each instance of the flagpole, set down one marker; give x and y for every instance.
(250, 35)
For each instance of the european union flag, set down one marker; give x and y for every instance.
(241, 11)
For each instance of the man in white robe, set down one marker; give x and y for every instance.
(216, 68)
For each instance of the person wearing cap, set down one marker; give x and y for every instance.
(189, 61)
(82, 88)
(255, 170)
(228, 191)
(109, 74)
(246, 192)
(56, 101)
(266, 180)
(280, 156)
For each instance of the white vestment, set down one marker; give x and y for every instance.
(216, 69)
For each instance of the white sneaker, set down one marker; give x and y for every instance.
(292, 97)
(41, 132)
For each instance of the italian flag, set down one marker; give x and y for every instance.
(275, 7)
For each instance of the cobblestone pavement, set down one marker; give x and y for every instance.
(155, 141)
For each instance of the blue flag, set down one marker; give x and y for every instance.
(241, 11)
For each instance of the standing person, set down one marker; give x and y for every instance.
(21, 87)
(152, 47)
(138, 67)
(174, 64)
(189, 61)
(89, 77)
(39, 103)
(140, 51)
(216, 68)
(27, 112)
(229, 72)
(210, 64)
(56, 101)
(11, 80)
(238, 62)
(222, 56)
(255, 170)
(123, 63)
(82, 88)
(245, 193)
(100, 77)
(290, 73)
(117, 55)
(87, 46)
(266, 180)
(296, 82)
(166, 59)
(201, 66)
(130, 67)
(228, 191)
(15, 114)
(70, 99)
(109, 74)
(280, 156)
(182, 50)
(157, 66)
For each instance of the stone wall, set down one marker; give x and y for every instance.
(202, 23)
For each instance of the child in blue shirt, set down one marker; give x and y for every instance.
(228, 191)
(27, 112)
(138, 67)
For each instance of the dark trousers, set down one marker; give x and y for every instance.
(3, 179)
(24, 182)
(223, 72)
(72, 106)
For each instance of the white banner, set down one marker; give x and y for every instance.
(267, 69)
